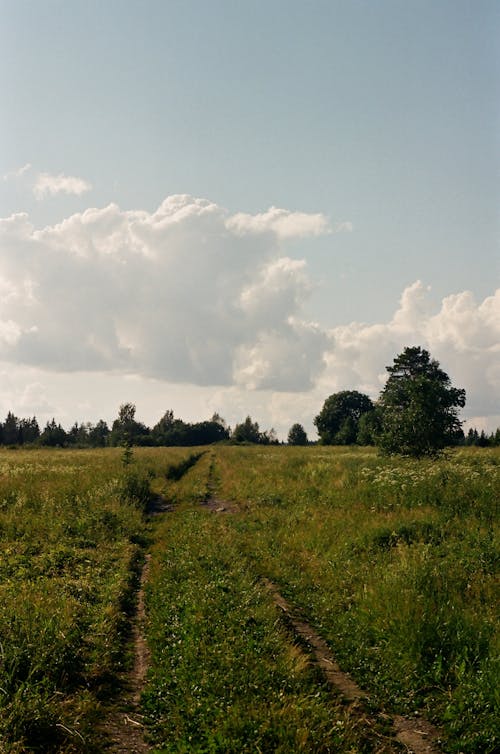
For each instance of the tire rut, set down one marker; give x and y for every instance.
(417, 735)
(124, 725)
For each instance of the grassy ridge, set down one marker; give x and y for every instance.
(395, 561)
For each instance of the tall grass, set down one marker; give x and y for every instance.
(70, 525)
(225, 676)
(395, 561)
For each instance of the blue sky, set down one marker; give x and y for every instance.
(380, 118)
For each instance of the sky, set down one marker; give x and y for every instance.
(242, 207)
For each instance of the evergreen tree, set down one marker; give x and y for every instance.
(11, 429)
(418, 406)
(53, 435)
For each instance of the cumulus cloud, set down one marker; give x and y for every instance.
(50, 185)
(190, 294)
(463, 335)
(184, 294)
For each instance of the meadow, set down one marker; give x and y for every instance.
(393, 561)
(72, 537)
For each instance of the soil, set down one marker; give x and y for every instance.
(219, 506)
(124, 727)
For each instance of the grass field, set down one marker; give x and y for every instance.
(394, 562)
(71, 537)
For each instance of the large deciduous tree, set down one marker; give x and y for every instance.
(338, 421)
(418, 406)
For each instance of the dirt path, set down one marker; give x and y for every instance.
(123, 728)
(417, 735)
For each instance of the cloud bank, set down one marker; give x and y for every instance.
(188, 293)
(463, 335)
(192, 295)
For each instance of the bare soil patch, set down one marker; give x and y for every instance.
(219, 506)
(158, 505)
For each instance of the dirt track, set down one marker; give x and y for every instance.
(417, 735)
(124, 727)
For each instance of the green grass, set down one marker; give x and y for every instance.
(225, 675)
(71, 534)
(395, 563)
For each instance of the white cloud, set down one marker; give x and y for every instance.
(18, 173)
(50, 185)
(281, 222)
(179, 294)
(463, 335)
(192, 296)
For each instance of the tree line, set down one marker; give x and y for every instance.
(417, 414)
(126, 430)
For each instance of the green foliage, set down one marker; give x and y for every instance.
(248, 431)
(338, 421)
(126, 429)
(297, 435)
(418, 406)
(53, 435)
(135, 488)
(368, 428)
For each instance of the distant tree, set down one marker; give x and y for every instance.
(338, 421)
(472, 437)
(206, 433)
(53, 435)
(418, 406)
(29, 431)
(98, 434)
(268, 437)
(171, 431)
(483, 440)
(368, 428)
(248, 431)
(348, 432)
(297, 435)
(217, 419)
(162, 430)
(11, 429)
(79, 435)
(126, 430)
